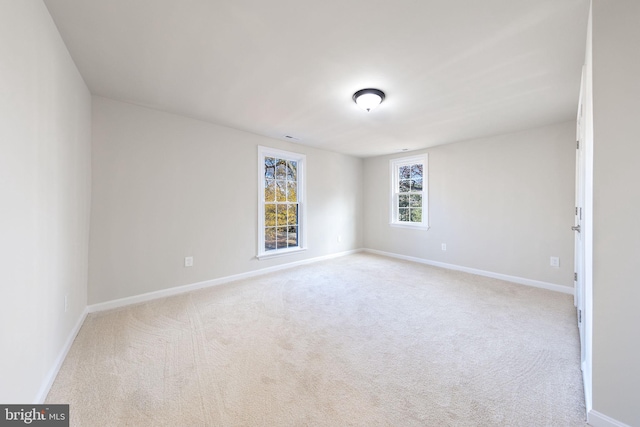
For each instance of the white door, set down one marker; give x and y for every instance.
(579, 275)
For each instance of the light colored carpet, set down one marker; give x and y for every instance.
(361, 340)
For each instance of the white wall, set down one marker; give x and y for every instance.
(45, 130)
(616, 230)
(167, 186)
(502, 204)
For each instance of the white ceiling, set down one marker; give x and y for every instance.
(451, 69)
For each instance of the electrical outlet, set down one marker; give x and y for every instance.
(444, 246)
(554, 261)
(188, 261)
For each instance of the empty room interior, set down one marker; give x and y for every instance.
(282, 213)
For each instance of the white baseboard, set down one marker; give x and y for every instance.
(596, 419)
(53, 372)
(514, 279)
(122, 302)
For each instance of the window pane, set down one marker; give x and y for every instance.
(270, 215)
(416, 171)
(416, 215)
(269, 239)
(282, 214)
(292, 217)
(281, 237)
(281, 169)
(292, 236)
(409, 194)
(292, 191)
(292, 171)
(270, 191)
(269, 167)
(281, 201)
(281, 191)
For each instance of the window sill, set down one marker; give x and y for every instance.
(276, 254)
(411, 227)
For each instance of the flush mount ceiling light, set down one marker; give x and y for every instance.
(368, 99)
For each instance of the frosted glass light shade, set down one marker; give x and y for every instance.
(368, 99)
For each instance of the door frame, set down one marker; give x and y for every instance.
(579, 242)
(583, 243)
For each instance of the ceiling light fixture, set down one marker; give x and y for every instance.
(368, 99)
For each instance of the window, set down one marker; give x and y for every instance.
(409, 207)
(281, 207)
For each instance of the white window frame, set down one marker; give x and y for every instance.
(394, 166)
(264, 152)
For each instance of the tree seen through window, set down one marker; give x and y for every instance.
(281, 220)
